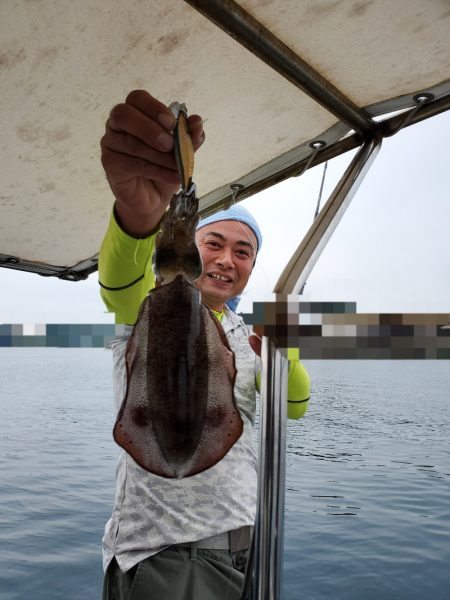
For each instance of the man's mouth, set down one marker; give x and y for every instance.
(218, 277)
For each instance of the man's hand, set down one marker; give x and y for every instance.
(255, 342)
(139, 162)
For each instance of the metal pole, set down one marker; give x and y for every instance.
(245, 29)
(304, 258)
(269, 527)
(428, 110)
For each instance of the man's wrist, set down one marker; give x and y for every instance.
(135, 224)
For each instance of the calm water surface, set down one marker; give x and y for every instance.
(368, 482)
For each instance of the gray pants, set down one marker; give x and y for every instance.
(179, 574)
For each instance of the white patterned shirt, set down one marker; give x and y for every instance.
(150, 512)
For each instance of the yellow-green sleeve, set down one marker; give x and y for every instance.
(298, 389)
(125, 272)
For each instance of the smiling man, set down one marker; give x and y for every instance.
(228, 242)
(181, 539)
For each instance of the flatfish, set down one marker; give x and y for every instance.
(179, 416)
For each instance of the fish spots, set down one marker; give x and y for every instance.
(124, 436)
(215, 416)
(11, 58)
(167, 43)
(140, 416)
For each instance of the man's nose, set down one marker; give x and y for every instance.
(226, 258)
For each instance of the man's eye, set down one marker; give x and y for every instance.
(213, 244)
(244, 253)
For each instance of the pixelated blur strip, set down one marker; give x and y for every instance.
(58, 335)
(336, 330)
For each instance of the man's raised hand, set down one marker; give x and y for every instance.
(139, 162)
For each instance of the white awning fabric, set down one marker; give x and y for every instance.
(63, 65)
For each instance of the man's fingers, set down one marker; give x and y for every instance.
(151, 107)
(127, 118)
(120, 167)
(124, 143)
(139, 140)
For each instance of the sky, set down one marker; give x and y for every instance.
(389, 253)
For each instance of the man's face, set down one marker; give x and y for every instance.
(228, 251)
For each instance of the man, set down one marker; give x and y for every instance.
(178, 539)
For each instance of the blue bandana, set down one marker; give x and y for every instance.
(235, 213)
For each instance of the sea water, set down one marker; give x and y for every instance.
(367, 490)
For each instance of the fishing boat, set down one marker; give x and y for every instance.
(285, 86)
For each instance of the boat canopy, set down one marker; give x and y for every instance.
(283, 84)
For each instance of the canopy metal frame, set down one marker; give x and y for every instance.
(240, 25)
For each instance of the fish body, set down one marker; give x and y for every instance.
(179, 416)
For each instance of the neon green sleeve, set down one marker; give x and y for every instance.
(125, 272)
(298, 388)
